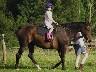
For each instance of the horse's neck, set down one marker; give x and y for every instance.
(71, 36)
(57, 29)
(68, 32)
(71, 33)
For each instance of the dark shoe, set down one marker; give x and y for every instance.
(81, 67)
(77, 68)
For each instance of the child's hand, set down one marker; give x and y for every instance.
(56, 23)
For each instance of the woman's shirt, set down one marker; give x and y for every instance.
(80, 41)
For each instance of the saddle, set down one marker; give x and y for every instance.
(43, 31)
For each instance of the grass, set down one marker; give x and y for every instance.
(45, 61)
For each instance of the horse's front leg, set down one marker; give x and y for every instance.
(56, 65)
(63, 52)
(30, 55)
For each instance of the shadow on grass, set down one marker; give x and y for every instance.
(24, 67)
(6, 66)
(21, 67)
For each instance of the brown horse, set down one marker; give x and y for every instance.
(28, 36)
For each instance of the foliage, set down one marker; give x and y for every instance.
(14, 13)
(32, 11)
(73, 10)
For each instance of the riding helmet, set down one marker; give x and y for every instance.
(48, 5)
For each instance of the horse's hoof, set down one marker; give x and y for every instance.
(53, 67)
(38, 67)
(63, 68)
(16, 66)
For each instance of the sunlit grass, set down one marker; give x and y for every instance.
(45, 59)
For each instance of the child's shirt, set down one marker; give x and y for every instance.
(47, 15)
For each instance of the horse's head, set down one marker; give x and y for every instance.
(75, 27)
(86, 31)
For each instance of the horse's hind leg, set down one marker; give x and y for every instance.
(18, 55)
(30, 55)
(56, 65)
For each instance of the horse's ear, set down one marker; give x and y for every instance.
(89, 24)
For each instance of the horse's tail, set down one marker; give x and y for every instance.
(16, 32)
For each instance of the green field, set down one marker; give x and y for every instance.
(45, 60)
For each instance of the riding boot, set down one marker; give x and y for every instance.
(81, 67)
(49, 36)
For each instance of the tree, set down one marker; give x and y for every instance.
(6, 19)
(32, 11)
(12, 6)
(74, 10)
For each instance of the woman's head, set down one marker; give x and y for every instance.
(48, 5)
(78, 34)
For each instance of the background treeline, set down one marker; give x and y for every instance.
(14, 13)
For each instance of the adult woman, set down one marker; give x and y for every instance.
(80, 47)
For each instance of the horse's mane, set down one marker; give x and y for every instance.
(74, 25)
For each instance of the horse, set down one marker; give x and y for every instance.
(28, 36)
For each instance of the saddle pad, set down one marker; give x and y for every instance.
(42, 30)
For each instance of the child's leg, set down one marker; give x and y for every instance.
(51, 29)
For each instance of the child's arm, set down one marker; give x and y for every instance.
(50, 17)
